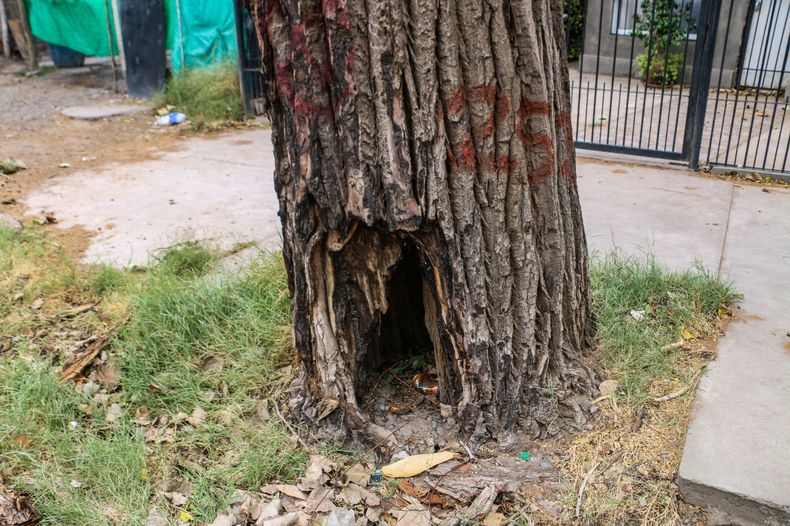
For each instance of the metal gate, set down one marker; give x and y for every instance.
(699, 81)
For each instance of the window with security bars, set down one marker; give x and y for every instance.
(624, 13)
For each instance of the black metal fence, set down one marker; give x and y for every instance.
(699, 81)
(706, 82)
(250, 73)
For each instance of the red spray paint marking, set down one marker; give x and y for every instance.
(502, 110)
(485, 93)
(457, 102)
(467, 153)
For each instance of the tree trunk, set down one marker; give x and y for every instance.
(427, 185)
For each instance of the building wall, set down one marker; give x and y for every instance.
(614, 48)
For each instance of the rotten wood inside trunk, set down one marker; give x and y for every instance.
(426, 178)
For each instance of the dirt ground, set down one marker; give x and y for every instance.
(33, 130)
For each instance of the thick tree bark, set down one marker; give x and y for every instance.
(426, 179)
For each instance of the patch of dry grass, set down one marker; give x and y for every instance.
(631, 456)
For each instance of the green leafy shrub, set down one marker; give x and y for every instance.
(574, 27)
(662, 25)
(656, 70)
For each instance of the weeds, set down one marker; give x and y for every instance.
(189, 342)
(194, 343)
(672, 302)
(205, 95)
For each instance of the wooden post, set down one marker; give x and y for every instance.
(4, 31)
(108, 18)
(32, 53)
(116, 16)
(180, 34)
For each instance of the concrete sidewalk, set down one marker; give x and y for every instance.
(737, 454)
(217, 188)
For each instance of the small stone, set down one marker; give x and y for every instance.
(545, 464)
(90, 389)
(400, 455)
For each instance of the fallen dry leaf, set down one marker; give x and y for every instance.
(108, 374)
(177, 492)
(197, 418)
(416, 464)
(22, 441)
(286, 520)
(351, 495)
(414, 518)
(223, 520)
(159, 435)
(113, 413)
(269, 510)
(320, 501)
(608, 387)
(358, 474)
(16, 510)
(495, 519)
(291, 491)
(314, 474)
(424, 495)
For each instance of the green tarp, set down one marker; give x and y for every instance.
(208, 32)
(207, 28)
(80, 25)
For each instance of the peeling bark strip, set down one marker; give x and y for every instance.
(438, 131)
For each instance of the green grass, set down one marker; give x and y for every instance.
(673, 302)
(205, 95)
(191, 339)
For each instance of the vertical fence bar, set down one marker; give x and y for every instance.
(700, 80)
(718, 87)
(781, 129)
(238, 8)
(630, 72)
(763, 57)
(776, 102)
(651, 30)
(664, 72)
(682, 78)
(614, 71)
(597, 69)
(581, 69)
